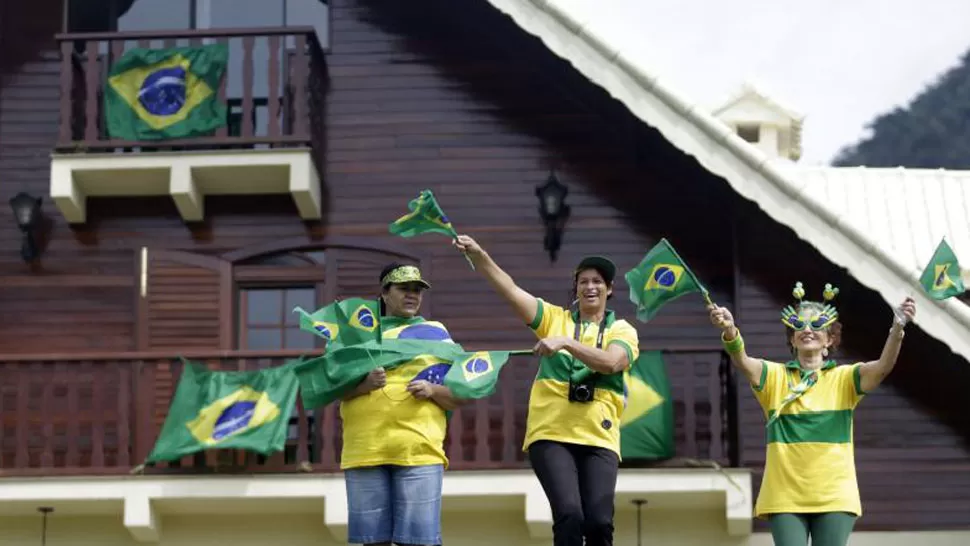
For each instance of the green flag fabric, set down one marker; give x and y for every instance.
(942, 279)
(426, 216)
(647, 423)
(659, 278)
(330, 377)
(344, 322)
(474, 375)
(223, 410)
(160, 94)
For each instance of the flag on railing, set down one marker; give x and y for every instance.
(345, 322)
(222, 410)
(647, 423)
(159, 94)
(661, 277)
(942, 278)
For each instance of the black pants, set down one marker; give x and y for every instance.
(580, 483)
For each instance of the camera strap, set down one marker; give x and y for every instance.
(599, 335)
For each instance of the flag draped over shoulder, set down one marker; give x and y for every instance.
(426, 216)
(942, 278)
(474, 375)
(659, 278)
(345, 322)
(647, 423)
(159, 94)
(222, 410)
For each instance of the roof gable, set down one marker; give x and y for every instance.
(786, 194)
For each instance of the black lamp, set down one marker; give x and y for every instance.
(27, 213)
(554, 212)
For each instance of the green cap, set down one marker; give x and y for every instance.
(603, 265)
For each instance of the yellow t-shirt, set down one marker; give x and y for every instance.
(551, 415)
(389, 425)
(810, 462)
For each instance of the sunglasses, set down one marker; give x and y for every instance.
(818, 321)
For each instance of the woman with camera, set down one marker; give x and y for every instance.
(573, 429)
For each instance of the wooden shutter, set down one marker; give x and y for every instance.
(184, 305)
(185, 302)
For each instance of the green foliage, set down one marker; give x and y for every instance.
(932, 132)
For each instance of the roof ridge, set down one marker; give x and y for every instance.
(747, 161)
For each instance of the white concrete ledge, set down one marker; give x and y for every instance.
(144, 501)
(185, 176)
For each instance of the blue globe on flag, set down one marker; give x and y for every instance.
(665, 277)
(163, 91)
(233, 419)
(476, 366)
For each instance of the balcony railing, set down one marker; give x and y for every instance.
(101, 414)
(274, 87)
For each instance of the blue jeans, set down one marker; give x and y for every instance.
(400, 504)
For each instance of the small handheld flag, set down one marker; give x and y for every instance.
(661, 277)
(426, 216)
(942, 278)
(345, 322)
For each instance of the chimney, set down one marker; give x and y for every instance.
(764, 123)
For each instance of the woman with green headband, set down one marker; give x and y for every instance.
(809, 487)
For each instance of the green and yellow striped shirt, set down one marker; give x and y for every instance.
(810, 462)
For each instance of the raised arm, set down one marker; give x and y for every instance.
(523, 303)
(734, 344)
(871, 374)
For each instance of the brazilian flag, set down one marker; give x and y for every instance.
(426, 216)
(474, 375)
(159, 94)
(223, 410)
(661, 276)
(941, 279)
(647, 423)
(344, 322)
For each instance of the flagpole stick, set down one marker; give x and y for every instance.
(463, 253)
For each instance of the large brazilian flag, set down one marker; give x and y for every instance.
(222, 410)
(647, 424)
(159, 94)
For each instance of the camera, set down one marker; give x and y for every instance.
(580, 392)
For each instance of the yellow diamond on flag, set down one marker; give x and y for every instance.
(476, 365)
(171, 76)
(244, 409)
(641, 398)
(664, 277)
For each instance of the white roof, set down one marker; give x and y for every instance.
(858, 218)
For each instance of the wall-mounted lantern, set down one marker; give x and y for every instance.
(27, 213)
(554, 212)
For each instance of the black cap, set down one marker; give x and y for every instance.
(606, 267)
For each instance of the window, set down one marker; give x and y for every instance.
(270, 286)
(128, 15)
(750, 133)
(268, 320)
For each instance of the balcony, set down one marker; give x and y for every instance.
(100, 415)
(272, 142)
(82, 423)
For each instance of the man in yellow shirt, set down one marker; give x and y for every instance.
(573, 428)
(394, 426)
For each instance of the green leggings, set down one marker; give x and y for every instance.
(826, 529)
